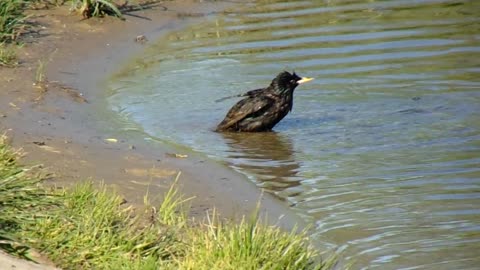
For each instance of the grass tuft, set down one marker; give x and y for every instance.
(92, 230)
(12, 19)
(250, 245)
(19, 190)
(173, 210)
(8, 56)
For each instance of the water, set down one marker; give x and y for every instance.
(381, 152)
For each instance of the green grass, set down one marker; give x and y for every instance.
(12, 19)
(251, 245)
(173, 210)
(88, 227)
(19, 190)
(91, 230)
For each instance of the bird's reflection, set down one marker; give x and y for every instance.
(267, 155)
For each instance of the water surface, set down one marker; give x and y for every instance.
(381, 152)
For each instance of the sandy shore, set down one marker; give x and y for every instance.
(59, 125)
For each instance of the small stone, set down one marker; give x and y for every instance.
(39, 143)
(141, 39)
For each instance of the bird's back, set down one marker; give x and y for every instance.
(263, 108)
(259, 112)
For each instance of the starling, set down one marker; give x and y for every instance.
(263, 108)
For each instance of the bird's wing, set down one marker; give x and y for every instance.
(250, 93)
(254, 92)
(245, 108)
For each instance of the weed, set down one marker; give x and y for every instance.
(96, 8)
(40, 77)
(8, 56)
(41, 81)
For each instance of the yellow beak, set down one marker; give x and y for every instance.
(304, 80)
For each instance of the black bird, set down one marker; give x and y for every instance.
(263, 108)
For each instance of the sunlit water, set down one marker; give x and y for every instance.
(381, 152)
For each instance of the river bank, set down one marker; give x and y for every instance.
(89, 226)
(59, 125)
(56, 120)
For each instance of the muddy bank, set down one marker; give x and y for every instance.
(66, 124)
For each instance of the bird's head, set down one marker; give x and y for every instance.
(286, 81)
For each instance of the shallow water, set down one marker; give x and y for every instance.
(381, 152)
